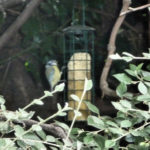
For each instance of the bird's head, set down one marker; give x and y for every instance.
(51, 63)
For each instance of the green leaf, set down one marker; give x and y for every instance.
(19, 131)
(121, 89)
(79, 145)
(100, 140)
(147, 55)
(62, 114)
(88, 139)
(139, 67)
(145, 114)
(145, 97)
(140, 133)
(115, 130)
(60, 87)
(109, 143)
(121, 115)
(77, 113)
(147, 78)
(31, 139)
(5, 127)
(147, 129)
(21, 144)
(126, 124)
(3, 107)
(41, 134)
(112, 124)
(2, 100)
(130, 72)
(119, 106)
(122, 77)
(40, 119)
(24, 115)
(76, 131)
(127, 59)
(36, 127)
(142, 88)
(6, 143)
(92, 107)
(115, 56)
(63, 125)
(11, 115)
(59, 107)
(38, 102)
(145, 73)
(50, 138)
(127, 54)
(147, 83)
(132, 67)
(129, 138)
(75, 97)
(135, 133)
(126, 104)
(88, 84)
(95, 122)
(128, 95)
(2, 142)
(48, 93)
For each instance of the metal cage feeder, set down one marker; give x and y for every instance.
(79, 59)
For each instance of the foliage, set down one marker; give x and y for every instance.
(130, 128)
(34, 137)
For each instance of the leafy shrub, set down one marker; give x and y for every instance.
(130, 129)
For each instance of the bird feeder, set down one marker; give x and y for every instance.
(79, 59)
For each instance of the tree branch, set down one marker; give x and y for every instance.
(9, 3)
(51, 128)
(130, 9)
(111, 49)
(27, 12)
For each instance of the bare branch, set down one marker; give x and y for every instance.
(130, 9)
(10, 3)
(51, 128)
(111, 49)
(27, 12)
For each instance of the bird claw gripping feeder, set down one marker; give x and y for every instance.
(79, 59)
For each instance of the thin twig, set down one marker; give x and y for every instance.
(130, 9)
(5, 74)
(111, 49)
(13, 11)
(111, 16)
(11, 3)
(137, 129)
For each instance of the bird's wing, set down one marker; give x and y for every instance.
(50, 74)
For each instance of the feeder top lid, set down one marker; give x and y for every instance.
(77, 29)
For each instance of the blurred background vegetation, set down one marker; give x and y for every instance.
(40, 39)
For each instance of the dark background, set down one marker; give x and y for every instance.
(23, 58)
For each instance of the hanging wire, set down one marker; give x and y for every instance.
(73, 13)
(83, 12)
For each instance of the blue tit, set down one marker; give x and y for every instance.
(52, 73)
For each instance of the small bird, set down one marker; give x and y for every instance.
(52, 72)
